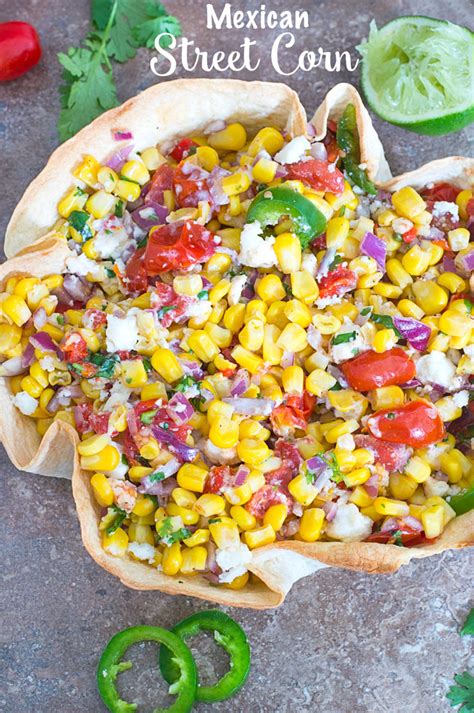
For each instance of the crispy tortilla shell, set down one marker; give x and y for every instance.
(158, 115)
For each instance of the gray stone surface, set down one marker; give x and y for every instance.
(343, 642)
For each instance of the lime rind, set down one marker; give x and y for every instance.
(418, 72)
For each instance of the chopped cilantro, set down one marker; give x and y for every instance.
(119, 206)
(165, 426)
(287, 289)
(203, 295)
(213, 520)
(342, 211)
(156, 477)
(78, 220)
(386, 321)
(343, 338)
(336, 387)
(185, 383)
(330, 459)
(337, 261)
(141, 243)
(124, 459)
(463, 693)
(148, 416)
(397, 236)
(468, 628)
(391, 416)
(147, 364)
(60, 319)
(110, 273)
(128, 380)
(105, 362)
(166, 533)
(117, 521)
(365, 311)
(468, 304)
(165, 527)
(165, 310)
(397, 538)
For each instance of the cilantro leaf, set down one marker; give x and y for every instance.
(156, 477)
(343, 338)
(147, 31)
(468, 628)
(117, 521)
(386, 321)
(168, 535)
(463, 693)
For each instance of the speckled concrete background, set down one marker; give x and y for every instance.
(342, 642)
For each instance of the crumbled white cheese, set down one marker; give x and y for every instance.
(111, 243)
(435, 368)
(200, 308)
(461, 398)
(256, 251)
(48, 363)
(349, 524)
(442, 207)
(237, 285)
(433, 487)
(293, 151)
(309, 263)
(469, 350)
(82, 265)
(118, 395)
(221, 456)
(346, 442)
(121, 333)
(233, 561)
(142, 551)
(25, 403)
(323, 302)
(347, 350)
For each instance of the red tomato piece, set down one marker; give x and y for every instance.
(178, 246)
(337, 282)
(74, 347)
(99, 422)
(94, 318)
(183, 149)
(409, 235)
(405, 535)
(20, 49)
(371, 370)
(441, 192)
(290, 455)
(131, 449)
(264, 498)
(190, 186)
(470, 207)
(135, 278)
(393, 456)
(220, 476)
(416, 424)
(285, 420)
(164, 296)
(320, 175)
(330, 142)
(162, 181)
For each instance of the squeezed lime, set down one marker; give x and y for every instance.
(418, 73)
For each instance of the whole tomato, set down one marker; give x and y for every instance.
(20, 49)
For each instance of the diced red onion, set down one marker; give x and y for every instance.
(122, 135)
(211, 562)
(191, 368)
(467, 261)
(43, 341)
(323, 479)
(438, 475)
(413, 383)
(374, 247)
(390, 524)
(179, 408)
(288, 359)
(241, 475)
(63, 396)
(13, 367)
(40, 317)
(150, 215)
(280, 172)
(180, 449)
(416, 333)
(64, 298)
(413, 523)
(448, 264)
(28, 355)
(330, 510)
(316, 463)
(162, 489)
(132, 422)
(116, 161)
(372, 486)
(434, 233)
(240, 383)
(319, 151)
(310, 130)
(328, 257)
(313, 337)
(79, 288)
(251, 407)
(207, 395)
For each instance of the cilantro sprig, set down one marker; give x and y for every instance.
(120, 27)
(463, 693)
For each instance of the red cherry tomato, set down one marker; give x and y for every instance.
(441, 192)
(220, 476)
(409, 235)
(20, 49)
(416, 424)
(177, 246)
(403, 534)
(135, 278)
(393, 456)
(162, 181)
(265, 498)
(318, 174)
(371, 370)
(183, 149)
(190, 186)
(337, 282)
(74, 347)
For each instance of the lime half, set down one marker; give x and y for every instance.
(418, 73)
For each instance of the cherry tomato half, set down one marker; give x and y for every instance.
(393, 456)
(178, 246)
(20, 49)
(337, 282)
(318, 174)
(441, 192)
(371, 370)
(416, 424)
(183, 149)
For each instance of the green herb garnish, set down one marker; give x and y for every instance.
(468, 628)
(148, 416)
(78, 220)
(117, 521)
(203, 295)
(462, 694)
(343, 338)
(386, 321)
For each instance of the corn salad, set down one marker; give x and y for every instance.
(239, 375)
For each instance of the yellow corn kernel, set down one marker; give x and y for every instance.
(276, 516)
(371, 512)
(319, 381)
(360, 497)
(16, 309)
(144, 506)
(10, 335)
(92, 445)
(225, 533)
(224, 433)
(459, 239)
(194, 560)
(134, 374)
(74, 200)
(219, 409)
(416, 261)
(345, 459)
(276, 314)
(410, 309)
(447, 408)
(439, 342)
(433, 521)
(402, 487)
(326, 323)
(188, 285)
(189, 517)
(135, 171)
(172, 559)
(455, 324)
(244, 519)
(408, 203)
(392, 508)
(384, 289)
(369, 280)
(167, 365)
(238, 582)
(292, 379)
(462, 200)
(235, 183)
(302, 490)
(252, 451)
(386, 397)
(455, 465)
(337, 231)
(255, 480)
(192, 477)
(270, 288)
(42, 425)
(182, 497)
(209, 504)
(107, 178)
(247, 360)
(384, 340)
(304, 287)
(100, 204)
(292, 338)
(267, 139)
(357, 477)
(248, 428)
(259, 537)
(452, 282)
(311, 524)
(127, 190)
(272, 354)
(102, 489)
(363, 457)
(152, 158)
(150, 450)
(107, 459)
(386, 217)
(264, 170)
(298, 313)
(31, 386)
(203, 346)
(418, 469)
(288, 251)
(232, 138)
(251, 336)
(115, 544)
(429, 296)
(207, 157)
(137, 472)
(199, 537)
(39, 374)
(239, 495)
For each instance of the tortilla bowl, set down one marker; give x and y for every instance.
(158, 115)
